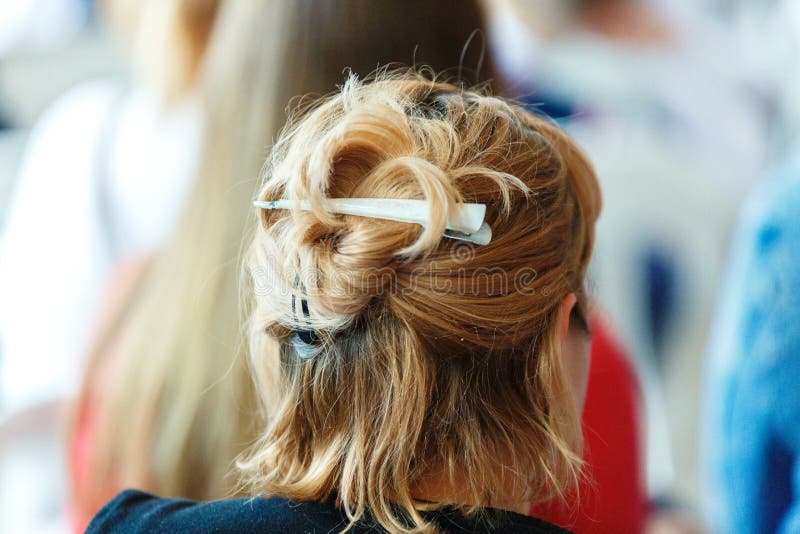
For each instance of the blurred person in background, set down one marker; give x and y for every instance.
(676, 142)
(167, 360)
(751, 448)
(101, 175)
(112, 162)
(751, 426)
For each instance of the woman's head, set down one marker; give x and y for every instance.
(435, 358)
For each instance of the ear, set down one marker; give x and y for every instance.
(563, 315)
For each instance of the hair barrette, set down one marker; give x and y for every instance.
(466, 224)
(303, 337)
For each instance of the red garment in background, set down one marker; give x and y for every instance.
(612, 498)
(80, 450)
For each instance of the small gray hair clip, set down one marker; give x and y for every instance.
(303, 340)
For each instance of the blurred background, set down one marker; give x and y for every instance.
(684, 106)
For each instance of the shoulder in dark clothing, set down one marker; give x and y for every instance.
(135, 512)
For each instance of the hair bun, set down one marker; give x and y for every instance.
(432, 355)
(372, 150)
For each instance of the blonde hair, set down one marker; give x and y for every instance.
(173, 399)
(168, 39)
(433, 355)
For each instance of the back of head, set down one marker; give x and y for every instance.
(433, 356)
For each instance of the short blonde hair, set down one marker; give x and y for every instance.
(432, 353)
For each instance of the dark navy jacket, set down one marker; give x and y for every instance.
(138, 512)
